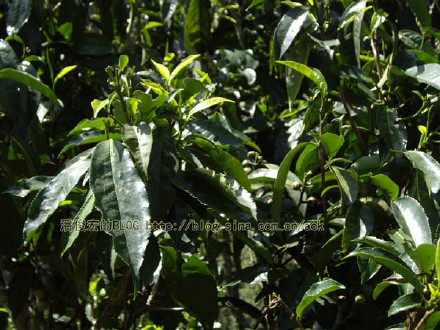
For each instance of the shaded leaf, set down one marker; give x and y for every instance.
(358, 223)
(69, 237)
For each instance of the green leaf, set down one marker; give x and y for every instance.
(391, 261)
(420, 189)
(182, 65)
(426, 74)
(395, 135)
(206, 104)
(163, 70)
(349, 33)
(197, 29)
(332, 143)
(87, 138)
(381, 244)
(25, 186)
(86, 125)
(48, 198)
(69, 237)
(358, 223)
(191, 88)
(437, 259)
(424, 257)
(420, 8)
(379, 289)
(30, 81)
(139, 141)
(428, 165)
(412, 219)
(288, 28)
(405, 303)
(231, 165)
(299, 53)
(389, 188)
(213, 131)
(192, 286)
(123, 61)
(280, 182)
(222, 195)
(255, 3)
(315, 291)
(368, 268)
(121, 195)
(97, 105)
(348, 186)
(161, 170)
(307, 161)
(313, 74)
(63, 72)
(18, 14)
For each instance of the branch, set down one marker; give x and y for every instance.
(114, 300)
(426, 317)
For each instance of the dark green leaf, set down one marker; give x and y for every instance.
(26, 186)
(405, 303)
(227, 162)
(420, 8)
(18, 14)
(121, 196)
(197, 30)
(394, 134)
(192, 286)
(358, 223)
(30, 81)
(287, 29)
(426, 74)
(68, 237)
(87, 138)
(412, 219)
(348, 186)
(280, 182)
(139, 141)
(428, 165)
(391, 261)
(48, 198)
(315, 291)
(161, 170)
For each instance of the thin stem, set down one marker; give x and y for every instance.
(426, 317)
